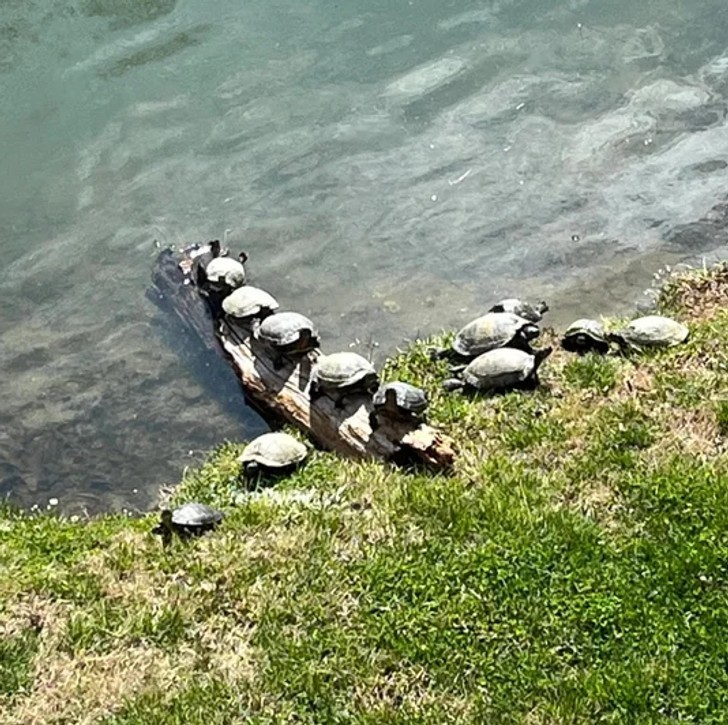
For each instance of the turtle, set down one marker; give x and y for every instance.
(225, 273)
(343, 374)
(532, 313)
(584, 335)
(248, 305)
(287, 335)
(648, 332)
(190, 519)
(398, 401)
(500, 369)
(204, 255)
(272, 454)
(491, 331)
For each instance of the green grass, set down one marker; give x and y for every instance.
(571, 569)
(17, 652)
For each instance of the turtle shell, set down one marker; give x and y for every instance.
(342, 369)
(491, 331)
(585, 334)
(502, 368)
(407, 398)
(274, 450)
(652, 331)
(225, 270)
(193, 515)
(285, 328)
(532, 313)
(248, 302)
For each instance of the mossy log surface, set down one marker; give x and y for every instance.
(285, 392)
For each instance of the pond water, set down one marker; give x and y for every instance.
(391, 168)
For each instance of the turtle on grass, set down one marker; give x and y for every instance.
(287, 335)
(526, 310)
(653, 331)
(499, 370)
(489, 332)
(585, 335)
(398, 401)
(190, 519)
(272, 454)
(342, 374)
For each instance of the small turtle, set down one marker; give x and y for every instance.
(343, 374)
(500, 369)
(248, 305)
(585, 335)
(491, 331)
(650, 331)
(190, 519)
(272, 454)
(202, 259)
(532, 313)
(398, 401)
(288, 335)
(224, 274)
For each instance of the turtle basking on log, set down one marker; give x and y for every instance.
(343, 374)
(247, 306)
(225, 274)
(398, 401)
(288, 335)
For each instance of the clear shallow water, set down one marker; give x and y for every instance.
(391, 167)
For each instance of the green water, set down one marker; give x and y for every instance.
(391, 167)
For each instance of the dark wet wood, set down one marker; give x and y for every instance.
(285, 392)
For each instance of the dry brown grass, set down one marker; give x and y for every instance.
(697, 296)
(82, 689)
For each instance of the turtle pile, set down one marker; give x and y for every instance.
(494, 353)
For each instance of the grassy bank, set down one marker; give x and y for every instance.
(572, 569)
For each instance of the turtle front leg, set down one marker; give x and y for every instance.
(314, 391)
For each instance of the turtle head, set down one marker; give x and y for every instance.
(542, 307)
(541, 355)
(165, 528)
(618, 338)
(453, 384)
(215, 247)
(530, 332)
(251, 468)
(166, 519)
(243, 257)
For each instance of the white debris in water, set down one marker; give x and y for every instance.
(460, 178)
(53, 502)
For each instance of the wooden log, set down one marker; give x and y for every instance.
(285, 392)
